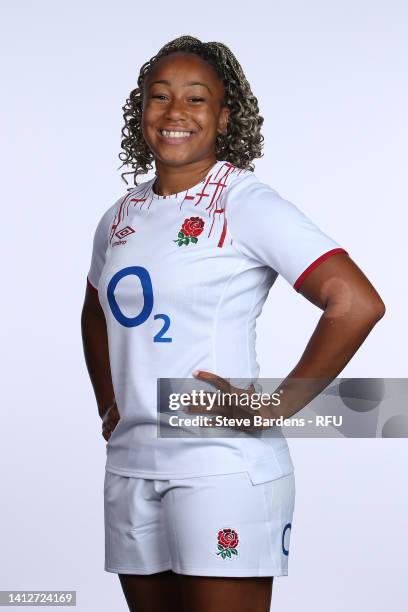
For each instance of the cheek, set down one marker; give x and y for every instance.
(206, 117)
(144, 127)
(206, 123)
(150, 116)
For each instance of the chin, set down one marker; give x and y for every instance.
(175, 158)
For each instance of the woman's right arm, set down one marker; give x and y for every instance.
(96, 352)
(93, 324)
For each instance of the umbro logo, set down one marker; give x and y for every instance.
(125, 232)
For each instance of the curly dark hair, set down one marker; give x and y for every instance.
(242, 141)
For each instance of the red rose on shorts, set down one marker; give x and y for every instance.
(227, 543)
(191, 228)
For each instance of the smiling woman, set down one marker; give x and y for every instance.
(179, 127)
(192, 522)
(214, 103)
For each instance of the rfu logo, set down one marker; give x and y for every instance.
(126, 231)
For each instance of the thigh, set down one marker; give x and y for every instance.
(228, 525)
(135, 538)
(153, 593)
(202, 594)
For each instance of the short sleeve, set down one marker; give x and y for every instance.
(100, 244)
(273, 231)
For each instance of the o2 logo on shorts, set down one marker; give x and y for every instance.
(147, 287)
(285, 546)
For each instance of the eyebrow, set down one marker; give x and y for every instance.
(166, 82)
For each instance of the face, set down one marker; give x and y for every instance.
(183, 94)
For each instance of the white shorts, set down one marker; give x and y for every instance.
(223, 525)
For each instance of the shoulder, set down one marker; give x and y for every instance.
(240, 183)
(133, 192)
(109, 213)
(104, 223)
(231, 177)
(112, 215)
(246, 194)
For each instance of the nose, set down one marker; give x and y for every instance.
(175, 109)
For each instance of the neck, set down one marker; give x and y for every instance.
(174, 179)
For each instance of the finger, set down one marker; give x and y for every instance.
(207, 409)
(112, 422)
(201, 407)
(194, 409)
(215, 380)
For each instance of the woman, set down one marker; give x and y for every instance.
(181, 267)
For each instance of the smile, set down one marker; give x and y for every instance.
(175, 137)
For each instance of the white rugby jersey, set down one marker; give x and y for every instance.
(182, 279)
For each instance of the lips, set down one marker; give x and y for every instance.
(175, 129)
(174, 140)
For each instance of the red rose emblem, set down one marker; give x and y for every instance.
(192, 226)
(228, 538)
(227, 543)
(190, 229)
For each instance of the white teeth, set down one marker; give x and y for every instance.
(175, 134)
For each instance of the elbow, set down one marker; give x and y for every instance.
(378, 309)
(372, 310)
(367, 309)
(374, 306)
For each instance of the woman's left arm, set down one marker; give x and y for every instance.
(351, 307)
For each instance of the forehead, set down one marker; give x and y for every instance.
(178, 65)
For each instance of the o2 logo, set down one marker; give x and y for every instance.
(147, 287)
(286, 530)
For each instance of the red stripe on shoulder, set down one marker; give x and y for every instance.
(90, 285)
(314, 264)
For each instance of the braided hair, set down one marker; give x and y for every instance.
(242, 141)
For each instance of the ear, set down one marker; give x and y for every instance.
(223, 120)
